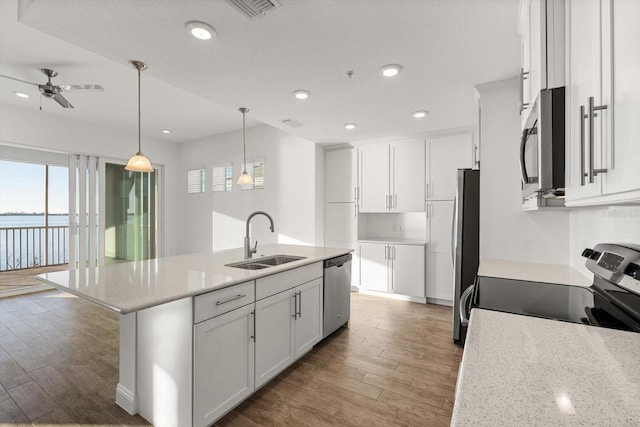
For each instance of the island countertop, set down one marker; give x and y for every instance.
(133, 286)
(528, 371)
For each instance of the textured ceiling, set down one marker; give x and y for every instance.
(195, 87)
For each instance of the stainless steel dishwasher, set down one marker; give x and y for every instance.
(337, 293)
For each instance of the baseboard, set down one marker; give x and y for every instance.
(394, 296)
(26, 290)
(126, 399)
(439, 301)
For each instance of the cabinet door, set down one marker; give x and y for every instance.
(374, 178)
(274, 335)
(585, 65)
(445, 156)
(537, 62)
(223, 363)
(373, 266)
(340, 174)
(439, 256)
(340, 223)
(407, 176)
(623, 167)
(408, 264)
(525, 65)
(308, 323)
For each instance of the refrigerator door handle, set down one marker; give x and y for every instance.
(464, 302)
(454, 222)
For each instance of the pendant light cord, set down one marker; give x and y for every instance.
(139, 143)
(244, 141)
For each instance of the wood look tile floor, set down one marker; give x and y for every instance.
(394, 366)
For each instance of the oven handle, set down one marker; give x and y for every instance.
(523, 165)
(465, 298)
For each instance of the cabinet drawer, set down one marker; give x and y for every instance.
(219, 302)
(279, 282)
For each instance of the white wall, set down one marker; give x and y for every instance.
(506, 231)
(612, 224)
(40, 130)
(292, 194)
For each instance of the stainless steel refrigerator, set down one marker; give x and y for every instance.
(465, 241)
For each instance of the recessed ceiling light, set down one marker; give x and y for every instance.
(166, 131)
(301, 94)
(420, 114)
(200, 30)
(21, 94)
(390, 70)
(350, 126)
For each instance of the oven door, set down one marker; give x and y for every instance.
(529, 158)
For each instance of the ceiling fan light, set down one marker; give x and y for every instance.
(21, 94)
(245, 179)
(200, 30)
(420, 114)
(391, 70)
(139, 163)
(350, 126)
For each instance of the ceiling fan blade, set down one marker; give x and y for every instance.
(81, 88)
(18, 80)
(61, 100)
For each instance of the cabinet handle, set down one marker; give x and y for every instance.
(230, 299)
(523, 77)
(295, 305)
(592, 113)
(395, 200)
(299, 303)
(475, 155)
(582, 117)
(385, 252)
(355, 210)
(394, 252)
(355, 193)
(253, 315)
(386, 201)
(427, 190)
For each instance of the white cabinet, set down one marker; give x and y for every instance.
(340, 222)
(288, 324)
(445, 155)
(340, 176)
(439, 257)
(223, 363)
(392, 268)
(602, 105)
(542, 50)
(391, 177)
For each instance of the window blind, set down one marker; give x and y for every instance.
(196, 181)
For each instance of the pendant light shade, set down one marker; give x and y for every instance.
(245, 178)
(138, 162)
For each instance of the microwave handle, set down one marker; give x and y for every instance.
(523, 165)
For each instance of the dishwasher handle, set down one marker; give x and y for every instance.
(338, 261)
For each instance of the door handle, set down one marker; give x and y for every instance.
(582, 117)
(592, 114)
(462, 308)
(253, 315)
(523, 164)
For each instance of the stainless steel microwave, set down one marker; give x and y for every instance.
(542, 146)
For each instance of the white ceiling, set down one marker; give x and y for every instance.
(194, 88)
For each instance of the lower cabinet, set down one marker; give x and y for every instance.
(223, 360)
(392, 268)
(288, 324)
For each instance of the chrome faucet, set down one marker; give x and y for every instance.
(248, 251)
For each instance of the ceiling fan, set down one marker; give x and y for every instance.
(49, 90)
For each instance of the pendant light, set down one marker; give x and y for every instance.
(245, 178)
(138, 162)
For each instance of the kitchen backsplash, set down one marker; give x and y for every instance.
(403, 226)
(612, 224)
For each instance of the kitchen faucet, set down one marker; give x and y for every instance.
(247, 239)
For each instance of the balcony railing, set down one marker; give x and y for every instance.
(27, 247)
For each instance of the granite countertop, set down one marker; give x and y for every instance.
(132, 286)
(528, 371)
(533, 272)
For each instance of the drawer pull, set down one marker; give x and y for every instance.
(230, 299)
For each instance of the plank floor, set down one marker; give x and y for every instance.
(394, 366)
(23, 278)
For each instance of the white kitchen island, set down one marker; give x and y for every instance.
(198, 337)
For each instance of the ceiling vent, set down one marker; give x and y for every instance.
(291, 122)
(255, 8)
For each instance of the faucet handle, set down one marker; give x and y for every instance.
(255, 248)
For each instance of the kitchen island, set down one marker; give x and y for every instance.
(197, 336)
(528, 371)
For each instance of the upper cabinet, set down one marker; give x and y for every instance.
(542, 51)
(604, 102)
(392, 177)
(445, 155)
(340, 176)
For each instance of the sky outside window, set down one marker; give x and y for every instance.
(22, 188)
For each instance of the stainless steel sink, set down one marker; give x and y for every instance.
(265, 262)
